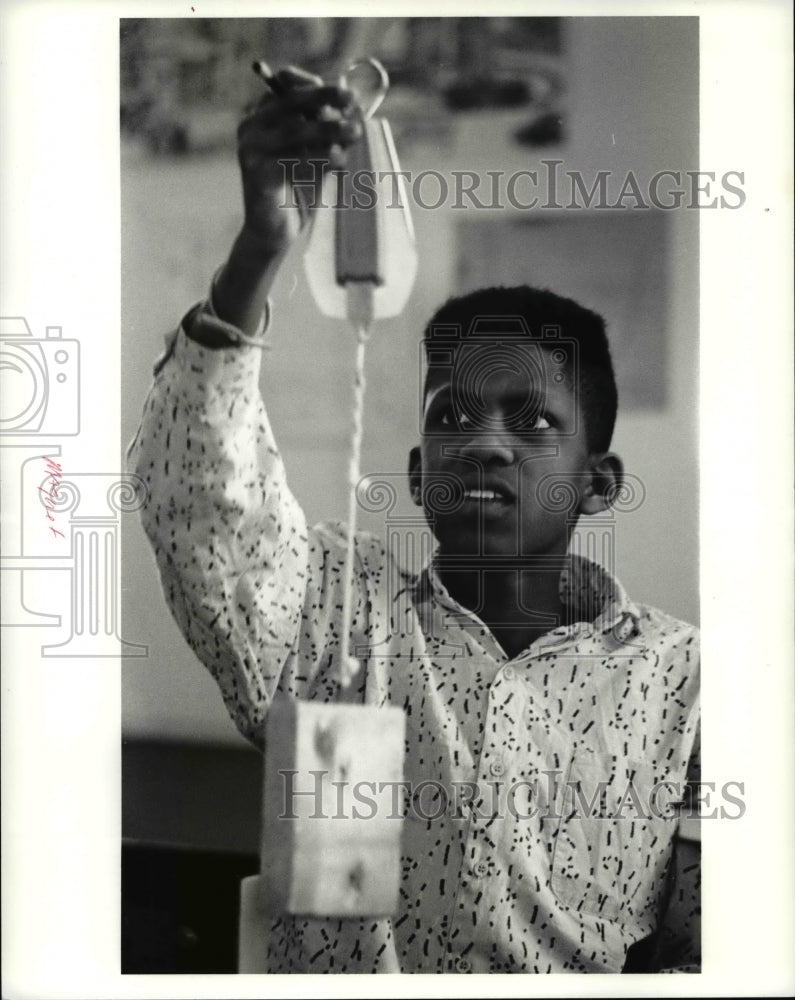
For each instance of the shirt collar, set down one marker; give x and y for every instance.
(595, 596)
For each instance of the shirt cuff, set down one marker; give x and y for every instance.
(204, 314)
(236, 335)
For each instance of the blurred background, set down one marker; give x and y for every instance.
(183, 82)
(468, 94)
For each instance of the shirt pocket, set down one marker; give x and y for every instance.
(613, 840)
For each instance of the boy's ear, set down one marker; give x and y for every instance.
(415, 475)
(606, 476)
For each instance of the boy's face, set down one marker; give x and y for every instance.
(503, 468)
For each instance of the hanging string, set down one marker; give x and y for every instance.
(349, 665)
(359, 277)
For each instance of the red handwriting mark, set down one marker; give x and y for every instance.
(50, 497)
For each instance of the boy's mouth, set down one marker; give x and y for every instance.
(486, 496)
(494, 500)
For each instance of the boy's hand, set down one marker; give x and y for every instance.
(300, 128)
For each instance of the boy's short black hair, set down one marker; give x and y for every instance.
(539, 309)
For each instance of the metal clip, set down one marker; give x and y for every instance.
(380, 90)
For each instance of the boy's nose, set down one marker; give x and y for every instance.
(489, 444)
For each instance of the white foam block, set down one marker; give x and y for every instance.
(332, 809)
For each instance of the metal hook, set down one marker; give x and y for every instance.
(382, 86)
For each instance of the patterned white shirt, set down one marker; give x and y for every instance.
(494, 882)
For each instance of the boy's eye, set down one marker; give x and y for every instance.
(455, 418)
(461, 420)
(538, 422)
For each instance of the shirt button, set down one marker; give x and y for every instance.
(481, 869)
(497, 768)
(509, 673)
(462, 964)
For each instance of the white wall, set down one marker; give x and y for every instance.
(632, 105)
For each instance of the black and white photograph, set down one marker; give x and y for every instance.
(382, 485)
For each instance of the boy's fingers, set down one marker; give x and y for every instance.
(301, 145)
(290, 77)
(305, 100)
(310, 100)
(309, 103)
(333, 155)
(295, 136)
(298, 117)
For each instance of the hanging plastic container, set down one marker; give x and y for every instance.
(362, 233)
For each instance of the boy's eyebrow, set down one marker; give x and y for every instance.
(516, 398)
(432, 393)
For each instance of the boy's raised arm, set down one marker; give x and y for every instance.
(229, 538)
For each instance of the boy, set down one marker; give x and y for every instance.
(551, 707)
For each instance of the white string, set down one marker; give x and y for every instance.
(349, 665)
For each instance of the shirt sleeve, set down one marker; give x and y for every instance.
(229, 538)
